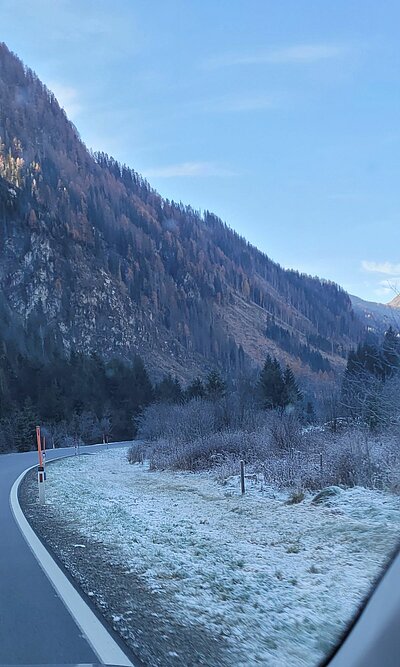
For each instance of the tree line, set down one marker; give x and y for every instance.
(80, 398)
(371, 382)
(85, 398)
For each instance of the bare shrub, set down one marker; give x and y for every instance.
(177, 422)
(137, 453)
(394, 478)
(355, 458)
(70, 441)
(297, 470)
(346, 458)
(226, 468)
(55, 434)
(296, 498)
(209, 451)
(285, 430)
(274, 446)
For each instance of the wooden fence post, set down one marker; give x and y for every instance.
(242, 483)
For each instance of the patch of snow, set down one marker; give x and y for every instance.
(280, 582)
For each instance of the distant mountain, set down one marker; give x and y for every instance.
(93, 259)
(395, 303)
(376, 317)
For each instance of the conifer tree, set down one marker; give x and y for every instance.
(291, 393)
(215, 386)
(196, 389)
(271, 386)
(142, 385)
(310, 415)
(169, 390)
(24, 424)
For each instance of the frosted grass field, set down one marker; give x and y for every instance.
(279, 582)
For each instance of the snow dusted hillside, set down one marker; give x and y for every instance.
(274, 584)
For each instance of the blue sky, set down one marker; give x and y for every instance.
(283, 116)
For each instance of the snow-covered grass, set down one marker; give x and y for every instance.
(279, 581)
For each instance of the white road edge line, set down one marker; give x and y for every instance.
(102, 643)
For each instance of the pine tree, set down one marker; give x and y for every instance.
(270, 384)
(142, 385)
(196, 389)
(24, 424)
(169, 390)
(215, 386)
(291, 392)
(310, 415)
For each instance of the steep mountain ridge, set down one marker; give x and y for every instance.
(93, 259)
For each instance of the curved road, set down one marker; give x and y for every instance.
(35, 626)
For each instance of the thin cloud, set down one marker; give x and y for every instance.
(188, 170)
(240, 103)
(386, 268)
(237, 103)
(295, 55)
(68, 98)
(383, 291)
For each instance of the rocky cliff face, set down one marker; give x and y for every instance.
(93, 259)
(57, 302)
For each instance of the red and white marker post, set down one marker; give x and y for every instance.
(41, 471)
(44, 455)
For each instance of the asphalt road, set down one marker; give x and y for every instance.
(35, 626)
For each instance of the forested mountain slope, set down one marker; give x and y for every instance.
(93, 259)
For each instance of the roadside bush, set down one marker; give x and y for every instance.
(296, 498)
(394, 478)
(179, 423)
(285, 431)
(274, 446)
(137, 453)
(209, 451)
(356, 458)
(70, 441)
(351, 458)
